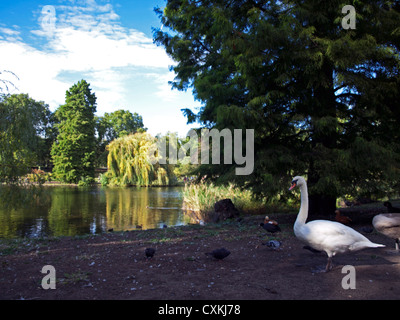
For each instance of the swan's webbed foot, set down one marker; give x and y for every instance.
(318, 269)
(321, 269)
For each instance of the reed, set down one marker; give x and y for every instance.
(200, 198)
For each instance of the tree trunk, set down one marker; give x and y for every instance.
(324, 106)
(321, 205)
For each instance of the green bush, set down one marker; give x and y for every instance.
(86, 181)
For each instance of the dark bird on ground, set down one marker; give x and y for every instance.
(270, 225)
(149, 252)
(110, 230)
(390, 208)
(219, 254)
(342, 219)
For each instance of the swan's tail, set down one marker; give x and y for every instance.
(365, 244)
(377, 245)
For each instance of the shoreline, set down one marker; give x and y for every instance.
(113, 266)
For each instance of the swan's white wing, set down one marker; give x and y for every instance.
(331, 237)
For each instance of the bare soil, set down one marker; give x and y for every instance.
(114, 266)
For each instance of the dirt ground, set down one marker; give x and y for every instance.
(114, 266)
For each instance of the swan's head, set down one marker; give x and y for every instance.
(297, 182)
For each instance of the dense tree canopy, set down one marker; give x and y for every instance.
(74, 150)
(115, 125)
(72, 138)
(118, 123)
(323, 100)
(24, 134)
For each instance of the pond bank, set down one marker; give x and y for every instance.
(113, 266)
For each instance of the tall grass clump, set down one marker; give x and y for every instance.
(200, 198)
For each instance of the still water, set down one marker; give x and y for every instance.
(70, 211)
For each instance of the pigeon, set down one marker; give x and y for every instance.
(219, 254)
(150, 252)
(274, 244)
(270, 225)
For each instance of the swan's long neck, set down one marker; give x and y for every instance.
(303, 213)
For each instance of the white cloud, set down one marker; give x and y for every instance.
(86, 39)
(165, 92)
(9, 34)
(37, 71)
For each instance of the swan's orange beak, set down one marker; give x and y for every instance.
(292, 186)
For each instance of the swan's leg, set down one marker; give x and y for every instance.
(329, 264)
(327, 268)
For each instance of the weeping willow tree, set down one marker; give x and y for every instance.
(129, 162)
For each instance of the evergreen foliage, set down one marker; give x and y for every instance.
(323, 100)
(73, 152)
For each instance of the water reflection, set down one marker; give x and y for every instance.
(70, 211)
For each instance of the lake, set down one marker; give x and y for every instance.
(71, 211)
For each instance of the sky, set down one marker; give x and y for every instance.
(52, 44)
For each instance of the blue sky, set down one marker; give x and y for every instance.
(52, 44)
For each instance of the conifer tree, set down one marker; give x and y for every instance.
(73, 151)
(321, 98)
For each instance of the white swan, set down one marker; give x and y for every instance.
(324, 235)
(389, 225)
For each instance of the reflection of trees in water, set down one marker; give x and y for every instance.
(17, 219)
(74, 211)
(69, 211)
(129, 208)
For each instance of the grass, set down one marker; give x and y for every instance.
(200, 198)
(74, 278)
